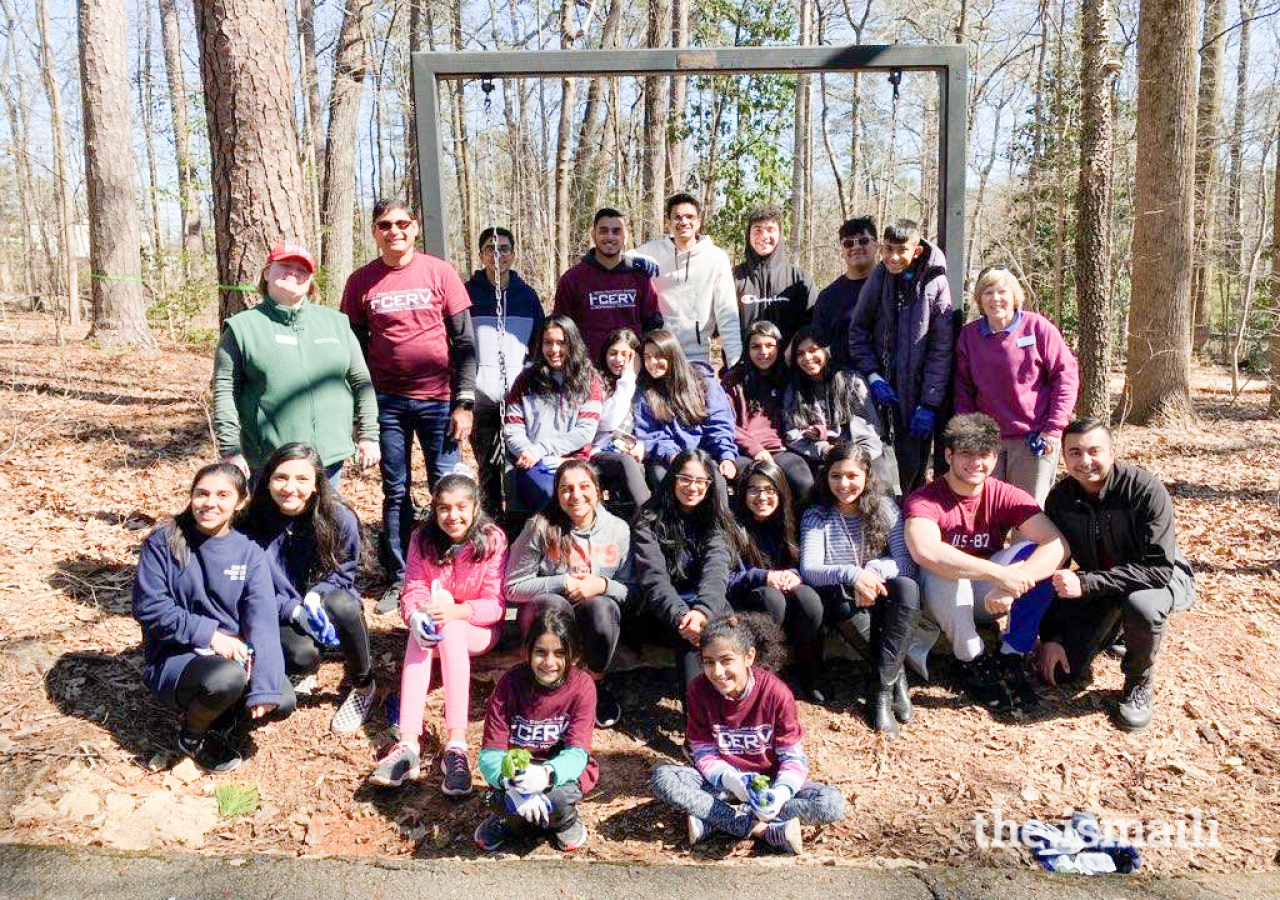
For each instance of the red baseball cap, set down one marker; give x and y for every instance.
(281, 252)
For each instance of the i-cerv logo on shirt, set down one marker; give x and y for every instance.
(611, 299)
(400, 301)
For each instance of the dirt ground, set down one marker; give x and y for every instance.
(96, 446)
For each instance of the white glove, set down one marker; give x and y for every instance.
(439, 593)
(423, 629)
(767, 804)
(738, 784)
(533, 808)
(533, 780)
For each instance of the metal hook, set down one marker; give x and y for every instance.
(486, 85)
(895, 79)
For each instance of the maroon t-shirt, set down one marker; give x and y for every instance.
(404, 311)
(524, 713)
(978, 525)
(746, 732)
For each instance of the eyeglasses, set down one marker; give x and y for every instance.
(687, 481)
(386, 225)
(850, 243)
(685, 217)
(762, 491)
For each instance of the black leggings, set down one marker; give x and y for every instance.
(622, 474)
(209, 691)
(302, 653)
(800, 613)
(888, 626)
(599, 622)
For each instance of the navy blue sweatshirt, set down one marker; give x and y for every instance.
(767, 538)
(521, 320)
(832, 313)
(290, 545)
(225, 586)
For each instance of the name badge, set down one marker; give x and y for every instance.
(286, 339)
(1026, 340)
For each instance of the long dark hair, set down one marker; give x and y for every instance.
(829, 398)
(663, 514)
(870, 504)
(748, 631)
(564, 626)
(617, 336)
(323, 512)
(437, 546)
(182, 529)
(756, 382)
(680, 394)
(576, 376)
(783, 519)
(554, 529)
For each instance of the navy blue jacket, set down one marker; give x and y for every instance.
(290, 545)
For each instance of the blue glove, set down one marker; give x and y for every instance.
(1036, 444)
(423, 629)
(883, 391)
(312, 618)
(923, 421)
(766, 805)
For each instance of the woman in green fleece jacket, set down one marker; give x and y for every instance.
(290, 370)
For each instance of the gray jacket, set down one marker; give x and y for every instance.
(603, 549)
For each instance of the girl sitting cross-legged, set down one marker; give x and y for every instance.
(750, 775)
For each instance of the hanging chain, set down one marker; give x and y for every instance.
(499, 289)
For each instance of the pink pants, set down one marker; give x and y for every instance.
(460, 642)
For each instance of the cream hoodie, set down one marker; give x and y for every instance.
(696, 296)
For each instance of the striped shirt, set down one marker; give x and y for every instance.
(832, 552)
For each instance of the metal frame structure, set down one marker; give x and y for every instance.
(949, 63)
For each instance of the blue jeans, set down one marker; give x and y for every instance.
(535, 485)
(399, 419)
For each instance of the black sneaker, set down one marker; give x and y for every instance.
(1136, 705)
(1013, 674)
(457, 773)
(211, 752)
(608, 709)
(982, 683)
(390, 599)
(492, 833)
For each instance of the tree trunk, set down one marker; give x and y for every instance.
(16, 108)
(338, 203)
(1098, 70)
(800, 145)
(462, 152)
(119, 304)
(66, 199)
(1059, 154)
(564, 142)
(588, 156)
(1273, 406)
(188, 196)
(146, 100)
(313, 112)
(1235, 174)
(257, 182)
(679, 100)
(656, 102)
(1208, 170)
(1158, 362)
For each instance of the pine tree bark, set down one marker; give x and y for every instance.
(188, 191)
(62, 169)
(1098, 70)
(257, 182)
(1235, 147)
(564, 143)
(146, 100)
(338, 196)
(119, 304)
(1158, 361)
(679, 100)
(657, 98)
(1208, 169)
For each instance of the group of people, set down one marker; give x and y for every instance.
(724, 515)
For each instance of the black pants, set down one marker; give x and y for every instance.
(1087, 626)
(799, 474)
(209, 693)
(801, 614)
(913, 461)
(624, 478)
(302, 653)
(564, 808)
(485, 433)
(599, 622)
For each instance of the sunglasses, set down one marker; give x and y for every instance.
(386, 225)
(849, 243)
(998, 267)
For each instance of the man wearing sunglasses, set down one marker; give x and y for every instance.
(902, 340)
(834, 307)
(412, 316)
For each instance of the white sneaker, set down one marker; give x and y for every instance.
(306, 685)
(354, 710)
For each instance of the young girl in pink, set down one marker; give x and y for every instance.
(454, 605)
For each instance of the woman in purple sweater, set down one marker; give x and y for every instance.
(1028, 376)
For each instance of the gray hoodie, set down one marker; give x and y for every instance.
(603, 549)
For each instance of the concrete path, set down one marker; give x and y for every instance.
(57, 873)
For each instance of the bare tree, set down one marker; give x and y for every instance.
(119, 304)
(1098, 69)
(1235, 146)
(338, 204)
(1208, 169)
(188, 196)
(800, 148)
(312, 112)
(1274, 353)
(146, 103)
(1158, 377)
(257, 182)
(656, 107)
(66, 200)
(679, 99)
(11, 86)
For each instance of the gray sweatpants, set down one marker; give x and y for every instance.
(1019, 466)
(684, 788)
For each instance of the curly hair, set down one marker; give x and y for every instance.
(972, 433)
(576, 375)
(870, 504)
(564, 626)
(748, 631)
